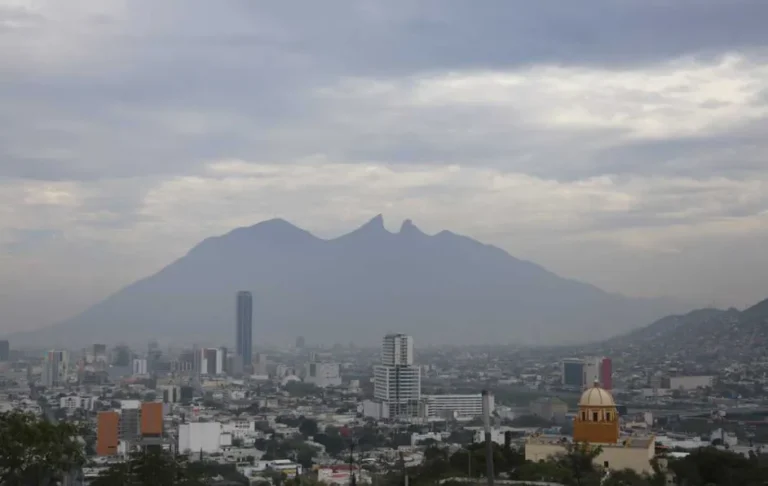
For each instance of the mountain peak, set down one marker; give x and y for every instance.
(408, 228)
(276, 230)
(374, 226)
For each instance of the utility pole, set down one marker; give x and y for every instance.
(352, 479)
(488, 441)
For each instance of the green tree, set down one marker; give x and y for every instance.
(151, 468)
(308, 428)
(626, 477)
(36, 451)
(579, 461)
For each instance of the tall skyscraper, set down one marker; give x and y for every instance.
(396, 381)
(397, 350)
(55, 368)
(5, 350)
(244, 331)
(598, 369)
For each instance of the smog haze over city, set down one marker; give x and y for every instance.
(618, 145)
(383, 242)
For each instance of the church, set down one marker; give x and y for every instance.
(597, 424)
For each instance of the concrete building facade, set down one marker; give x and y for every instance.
(454, 406)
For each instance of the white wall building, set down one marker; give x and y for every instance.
(442, 406)
(203, 436)
(322, 374)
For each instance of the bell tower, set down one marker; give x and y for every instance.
(597, 421)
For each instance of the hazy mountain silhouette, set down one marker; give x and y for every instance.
(442, 288)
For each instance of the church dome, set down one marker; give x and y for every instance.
(596, 397)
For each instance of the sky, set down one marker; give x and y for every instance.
(619, 142)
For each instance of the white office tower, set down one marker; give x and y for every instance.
(55, 368)
(397, 350)
(396, 381)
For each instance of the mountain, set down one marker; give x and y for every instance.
(704, 335)
(442, 288)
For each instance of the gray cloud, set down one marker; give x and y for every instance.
(631, 129)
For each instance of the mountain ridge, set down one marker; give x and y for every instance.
(442, 288)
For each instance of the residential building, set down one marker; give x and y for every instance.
(5, 350)
(244, 332)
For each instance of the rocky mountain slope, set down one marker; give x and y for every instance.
(705, 335)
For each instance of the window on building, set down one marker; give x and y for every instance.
(594, 416)
(608, 416)
(605, 464)
(584, 416)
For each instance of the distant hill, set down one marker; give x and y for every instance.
(707, 334)
(442, 288)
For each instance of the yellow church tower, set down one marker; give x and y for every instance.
(597, 421)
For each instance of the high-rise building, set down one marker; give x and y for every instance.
(300, 342)
(606, 374)
(5, 350)
(572, 372)
(130, 420)
(139, 366)
(244, 331)
(171, 393)
(598, 369)
(152, 419)
(396, 381)
(212, 361)
(107, 433)
(397, 350)
(55, 368)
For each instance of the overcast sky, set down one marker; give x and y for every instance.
(620, 142)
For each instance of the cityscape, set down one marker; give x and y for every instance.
(344, 414)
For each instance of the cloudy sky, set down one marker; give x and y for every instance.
(620, 142)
